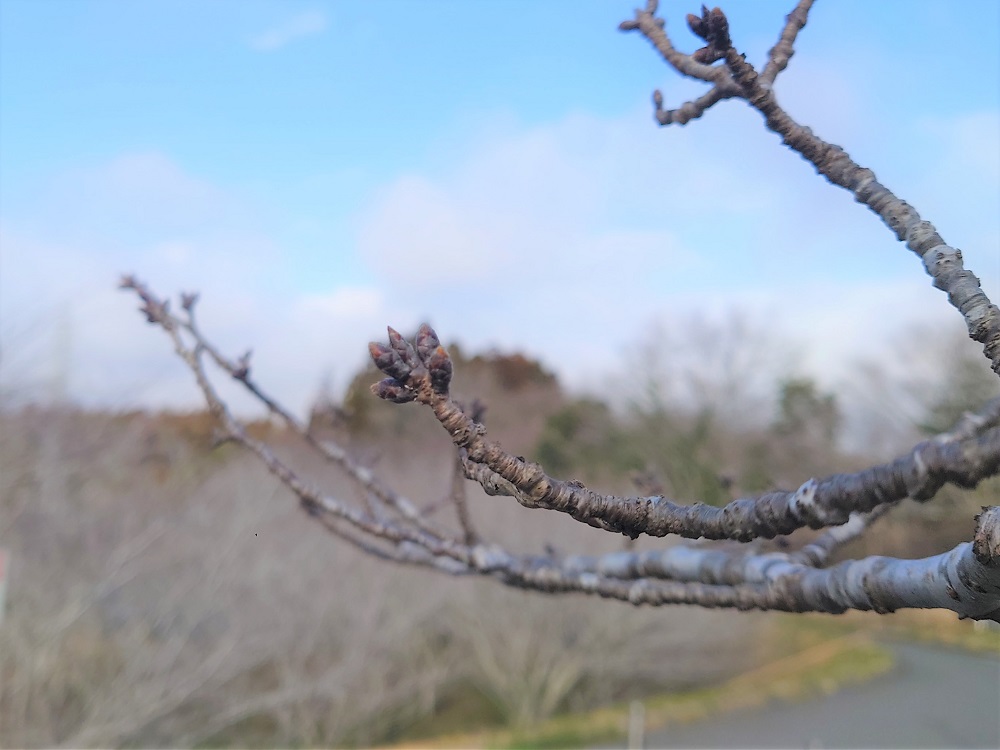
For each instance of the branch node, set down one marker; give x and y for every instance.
(242, 369)
(986, 542)
(188, 301)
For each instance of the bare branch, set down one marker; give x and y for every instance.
(240, 371)
(818, 551)
(957, 580)
(652, 28)
(965, 580)
(781, 53)
(707, 577)
(827, 502)
(941, 261)
(717, 564)
(693, 109)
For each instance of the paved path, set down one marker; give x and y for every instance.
(933, 698)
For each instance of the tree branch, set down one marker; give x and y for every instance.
(941, 261)
(693, 109)
(706, 577)
(965, 580)
(423, 372)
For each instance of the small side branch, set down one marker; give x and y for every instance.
(817, 552)
(653, 29)
(158, 311)
(781, 53)
(717, 564)
(693, 109)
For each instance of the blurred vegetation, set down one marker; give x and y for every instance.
(813, 664)
(970, 384)
(584, 437)
(142, 551)
(691, 456)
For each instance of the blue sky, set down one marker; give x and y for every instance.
(320, 169)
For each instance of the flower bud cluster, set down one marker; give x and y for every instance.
(409, 365)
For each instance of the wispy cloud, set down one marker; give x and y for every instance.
(298, 26)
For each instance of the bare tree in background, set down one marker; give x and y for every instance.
(385, 524)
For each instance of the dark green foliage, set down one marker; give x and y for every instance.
(682, 452)
(757, 474)
(970, 385)
(585, 437)
(806, 414)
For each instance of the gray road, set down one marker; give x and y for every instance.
(932, 698)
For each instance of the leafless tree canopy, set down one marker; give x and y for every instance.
(387, 525)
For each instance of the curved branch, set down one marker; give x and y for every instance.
(720, 565)
(693, 109)
(828, 502)
(941, 261)
(965, 580)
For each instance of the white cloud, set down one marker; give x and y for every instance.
(960, 190)
(345, 303)
(567, 239)
(564, 240)
(418, 234)
(175, 252)
(307, 23)
(61, 317)
(64, 325)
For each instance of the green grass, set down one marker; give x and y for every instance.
(818, 671)
(822, 668)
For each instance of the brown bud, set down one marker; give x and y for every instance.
(388, 361)
(697, 24)
(713, 27)
(242, 371)
(718, 29)
(440, 368)
(707, 55)
(155, 311)
(402, 348)
(391, 389)
(426, 342)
